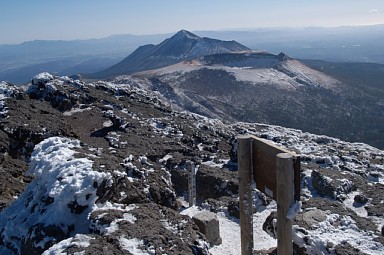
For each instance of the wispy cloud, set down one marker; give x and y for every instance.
(373, 10)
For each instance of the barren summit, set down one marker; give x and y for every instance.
(182, 46)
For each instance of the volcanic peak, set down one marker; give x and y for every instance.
(182, 46)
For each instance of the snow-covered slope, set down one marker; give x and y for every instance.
(110, 175)
(256, 86)
(255, 67)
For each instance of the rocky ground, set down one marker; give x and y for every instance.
(101, 168)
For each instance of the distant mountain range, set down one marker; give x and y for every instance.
(340, 44)
(336, 44)
(18, 63)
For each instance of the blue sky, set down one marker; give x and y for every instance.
(24, 20)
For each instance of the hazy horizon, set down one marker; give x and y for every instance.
(197, 31)
(24, 20)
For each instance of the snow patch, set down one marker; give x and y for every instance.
(133, 246)
(79, 241)
(76, 110)
(230, 231)
(350, 203)
(165, 159)
(336, 229)
(294, 210)
(163, 129)
(42, 78)
(6, 91)
(113, 226)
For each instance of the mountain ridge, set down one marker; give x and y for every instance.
(256, 86)
(331, 44)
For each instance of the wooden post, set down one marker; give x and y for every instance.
(192, 184)
(244, 158)
(285, 199)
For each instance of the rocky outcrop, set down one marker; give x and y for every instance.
(122, 141)
(333, 185)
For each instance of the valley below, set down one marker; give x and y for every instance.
(275, 94)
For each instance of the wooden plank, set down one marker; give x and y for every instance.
(297, 177)
(285, 199)
(264, 167)
(244, 155)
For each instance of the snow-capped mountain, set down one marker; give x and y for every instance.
(182, 46)
(101, 168)
(223, 79)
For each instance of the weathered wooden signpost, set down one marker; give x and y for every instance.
(192, 184)
(276, 172)
(244, 158)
